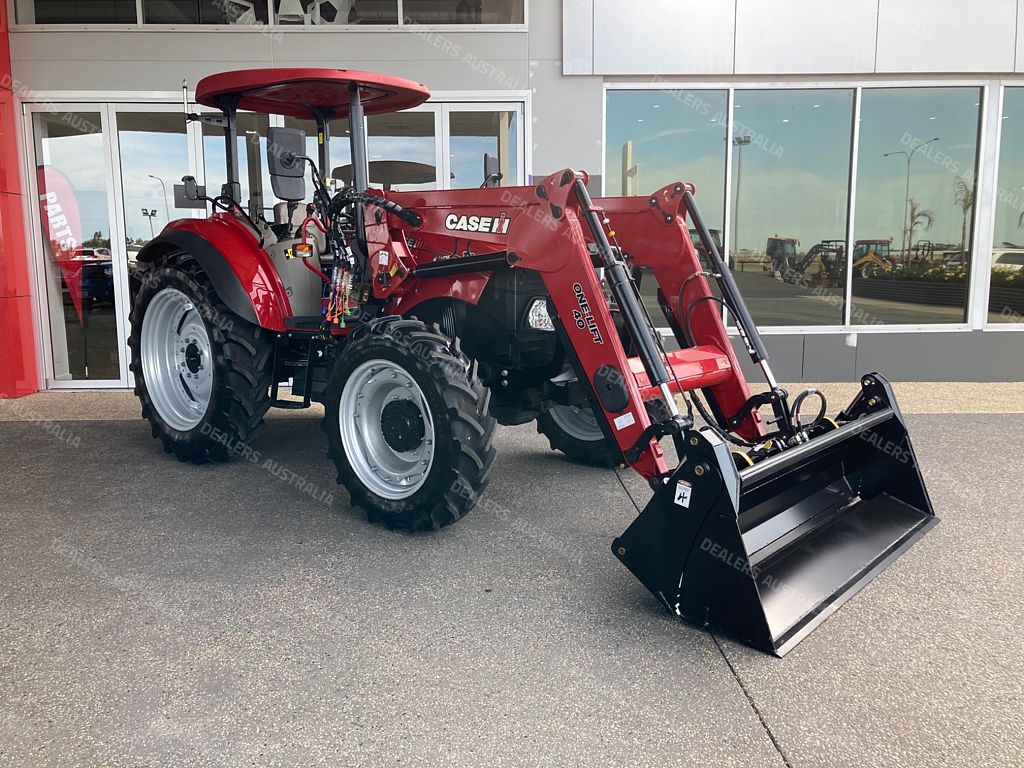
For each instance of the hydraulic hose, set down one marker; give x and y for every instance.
(344, 199)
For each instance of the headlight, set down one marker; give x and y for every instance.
(538, 318)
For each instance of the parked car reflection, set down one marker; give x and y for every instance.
(87, 277)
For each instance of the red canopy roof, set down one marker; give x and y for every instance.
(292, 91)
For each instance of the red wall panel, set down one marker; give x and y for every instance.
(18, 362)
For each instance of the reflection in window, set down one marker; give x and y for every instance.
(483, 144)
(402, 151)
(315, 12)
(463, 11)
(915, 202)
(252, 171)
(791, 170)
(75, 12)
(75, 217)
(153, 156)
(655, 138)
(243, 12)
(1006, 294)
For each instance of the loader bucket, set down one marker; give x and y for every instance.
(765, 554)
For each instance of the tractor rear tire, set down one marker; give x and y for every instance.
(202, 373)
(408, 426)
(574, 431)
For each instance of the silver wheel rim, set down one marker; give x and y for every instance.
(577, 421)
(176, 360)
(391, 468)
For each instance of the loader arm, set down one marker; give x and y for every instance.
(555, 229)
(653, 234)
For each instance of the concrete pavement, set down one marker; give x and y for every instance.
(156, 613)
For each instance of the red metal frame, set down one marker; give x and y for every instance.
(18, 371)
(544, 233)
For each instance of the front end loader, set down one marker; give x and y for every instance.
(421, 319)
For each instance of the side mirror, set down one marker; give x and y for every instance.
(189, 194)
(286, 149)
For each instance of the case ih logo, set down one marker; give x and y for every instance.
(583, 316)
(496, 225)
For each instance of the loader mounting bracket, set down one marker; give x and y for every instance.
(675, 426)
(776, 397)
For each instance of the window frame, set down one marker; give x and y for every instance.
(142, 26)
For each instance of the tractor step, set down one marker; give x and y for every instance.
(690, 368)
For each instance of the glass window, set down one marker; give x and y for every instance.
(402, 149)
(483, 144)
(790, 189)
(252, 166)
(154, 156)
(1006, 295)
(915, 201)
(340, 153)
(654, 138)
(75, 11)
(75, 215)
(309, 12)
(463, 11)
(245, 12)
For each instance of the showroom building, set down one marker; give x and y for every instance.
(862, 161)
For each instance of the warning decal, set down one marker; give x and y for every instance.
(683, 492)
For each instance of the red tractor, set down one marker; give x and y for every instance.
(422, 319)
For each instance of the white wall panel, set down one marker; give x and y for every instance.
(946, 36)
(140, 46)
(577, 37)
(1019, 59)
(805, 36)
(545, 36)
(566, 120)
(148, 61)
(667, 37)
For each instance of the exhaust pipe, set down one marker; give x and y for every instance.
(767, 553)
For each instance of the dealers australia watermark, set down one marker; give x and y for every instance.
(274, 468)
(53, 429)
(743, 565)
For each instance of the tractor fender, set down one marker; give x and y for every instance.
(241, 272)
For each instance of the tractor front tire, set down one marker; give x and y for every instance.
(202, 373)
(574, 431)
(408, 426)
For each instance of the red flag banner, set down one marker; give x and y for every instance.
(58, 212)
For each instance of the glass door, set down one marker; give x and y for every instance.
(482, 140)
(84, 321)
(150, 144)
(404, 151)
(105, 176)
(253, 175)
